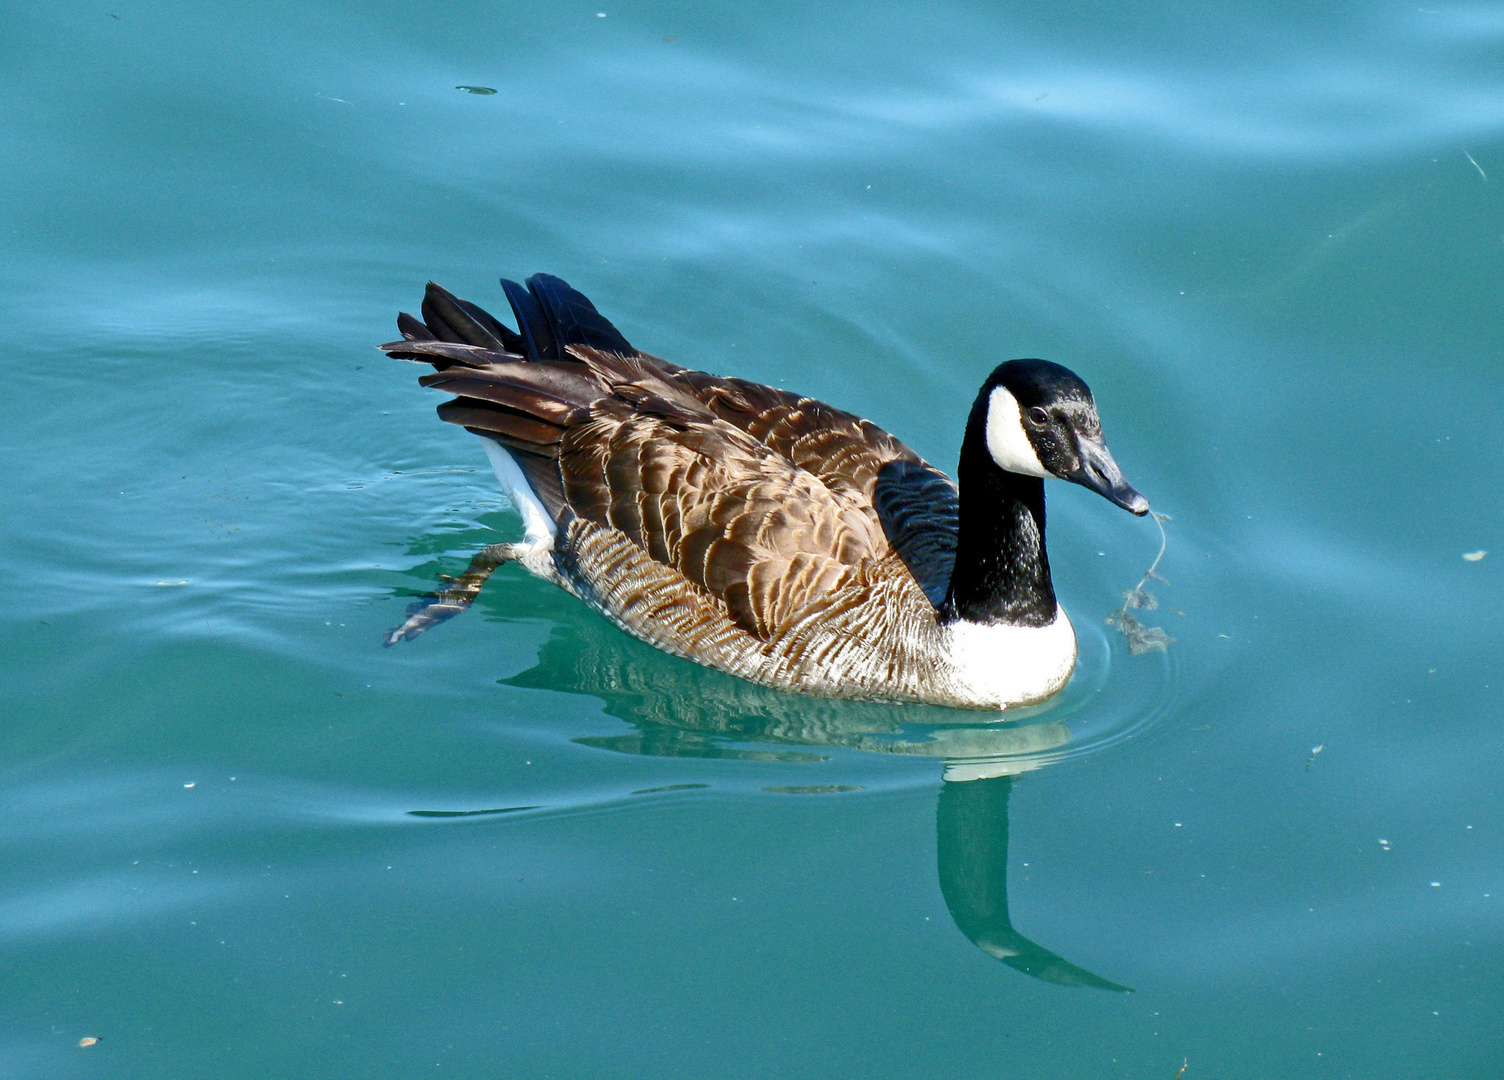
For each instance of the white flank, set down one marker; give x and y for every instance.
(1007, 441)
(1000, 665)
(540, 527)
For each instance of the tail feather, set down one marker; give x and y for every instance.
(510, 341)
(532, 323)
(411, 329)
(523, 388)
(451, 319)
(573, 318)
(551, 318)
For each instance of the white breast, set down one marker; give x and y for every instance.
(1001, 666)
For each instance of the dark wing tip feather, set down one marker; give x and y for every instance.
(551, 318)
(532, 322)
(411, 329)
(573, 319)
(464, 321)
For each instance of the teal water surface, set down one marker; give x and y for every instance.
(242, 839)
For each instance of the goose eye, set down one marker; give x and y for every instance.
(1038, 415)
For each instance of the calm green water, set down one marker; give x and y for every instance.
(243, 840)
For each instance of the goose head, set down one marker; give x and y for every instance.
(1041, 420)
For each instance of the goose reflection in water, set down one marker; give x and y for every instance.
(666, 701)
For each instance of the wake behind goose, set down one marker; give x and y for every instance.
(762, 533)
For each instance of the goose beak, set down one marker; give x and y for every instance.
(1100, 473)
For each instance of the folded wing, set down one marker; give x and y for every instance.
(764, 499)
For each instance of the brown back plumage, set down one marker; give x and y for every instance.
(765, 500)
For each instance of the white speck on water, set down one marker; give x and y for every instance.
(1385, 844)
(189, 784)
(1474, 556)
(1435, 884)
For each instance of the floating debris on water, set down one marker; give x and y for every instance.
(1141, 638)
(1385, 844)
(1475, 164)
(1318, 748)
(1474, 556)
(88, 1040)
(477, 89)
(813, 789)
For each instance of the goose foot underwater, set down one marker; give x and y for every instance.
(436, 607)
(759, 532)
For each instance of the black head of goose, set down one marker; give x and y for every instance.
(760, 532)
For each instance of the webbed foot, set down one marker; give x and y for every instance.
(432, 609)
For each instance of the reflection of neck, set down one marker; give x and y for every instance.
(1002, 572)
(972, 841)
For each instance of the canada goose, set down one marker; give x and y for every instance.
(759, 532)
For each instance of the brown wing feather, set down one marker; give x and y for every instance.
(842, 449)
(913, 502)
(762, 498)
(713, 503)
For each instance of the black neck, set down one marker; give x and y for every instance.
(1002, 572)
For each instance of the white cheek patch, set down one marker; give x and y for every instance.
(1007, 441)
